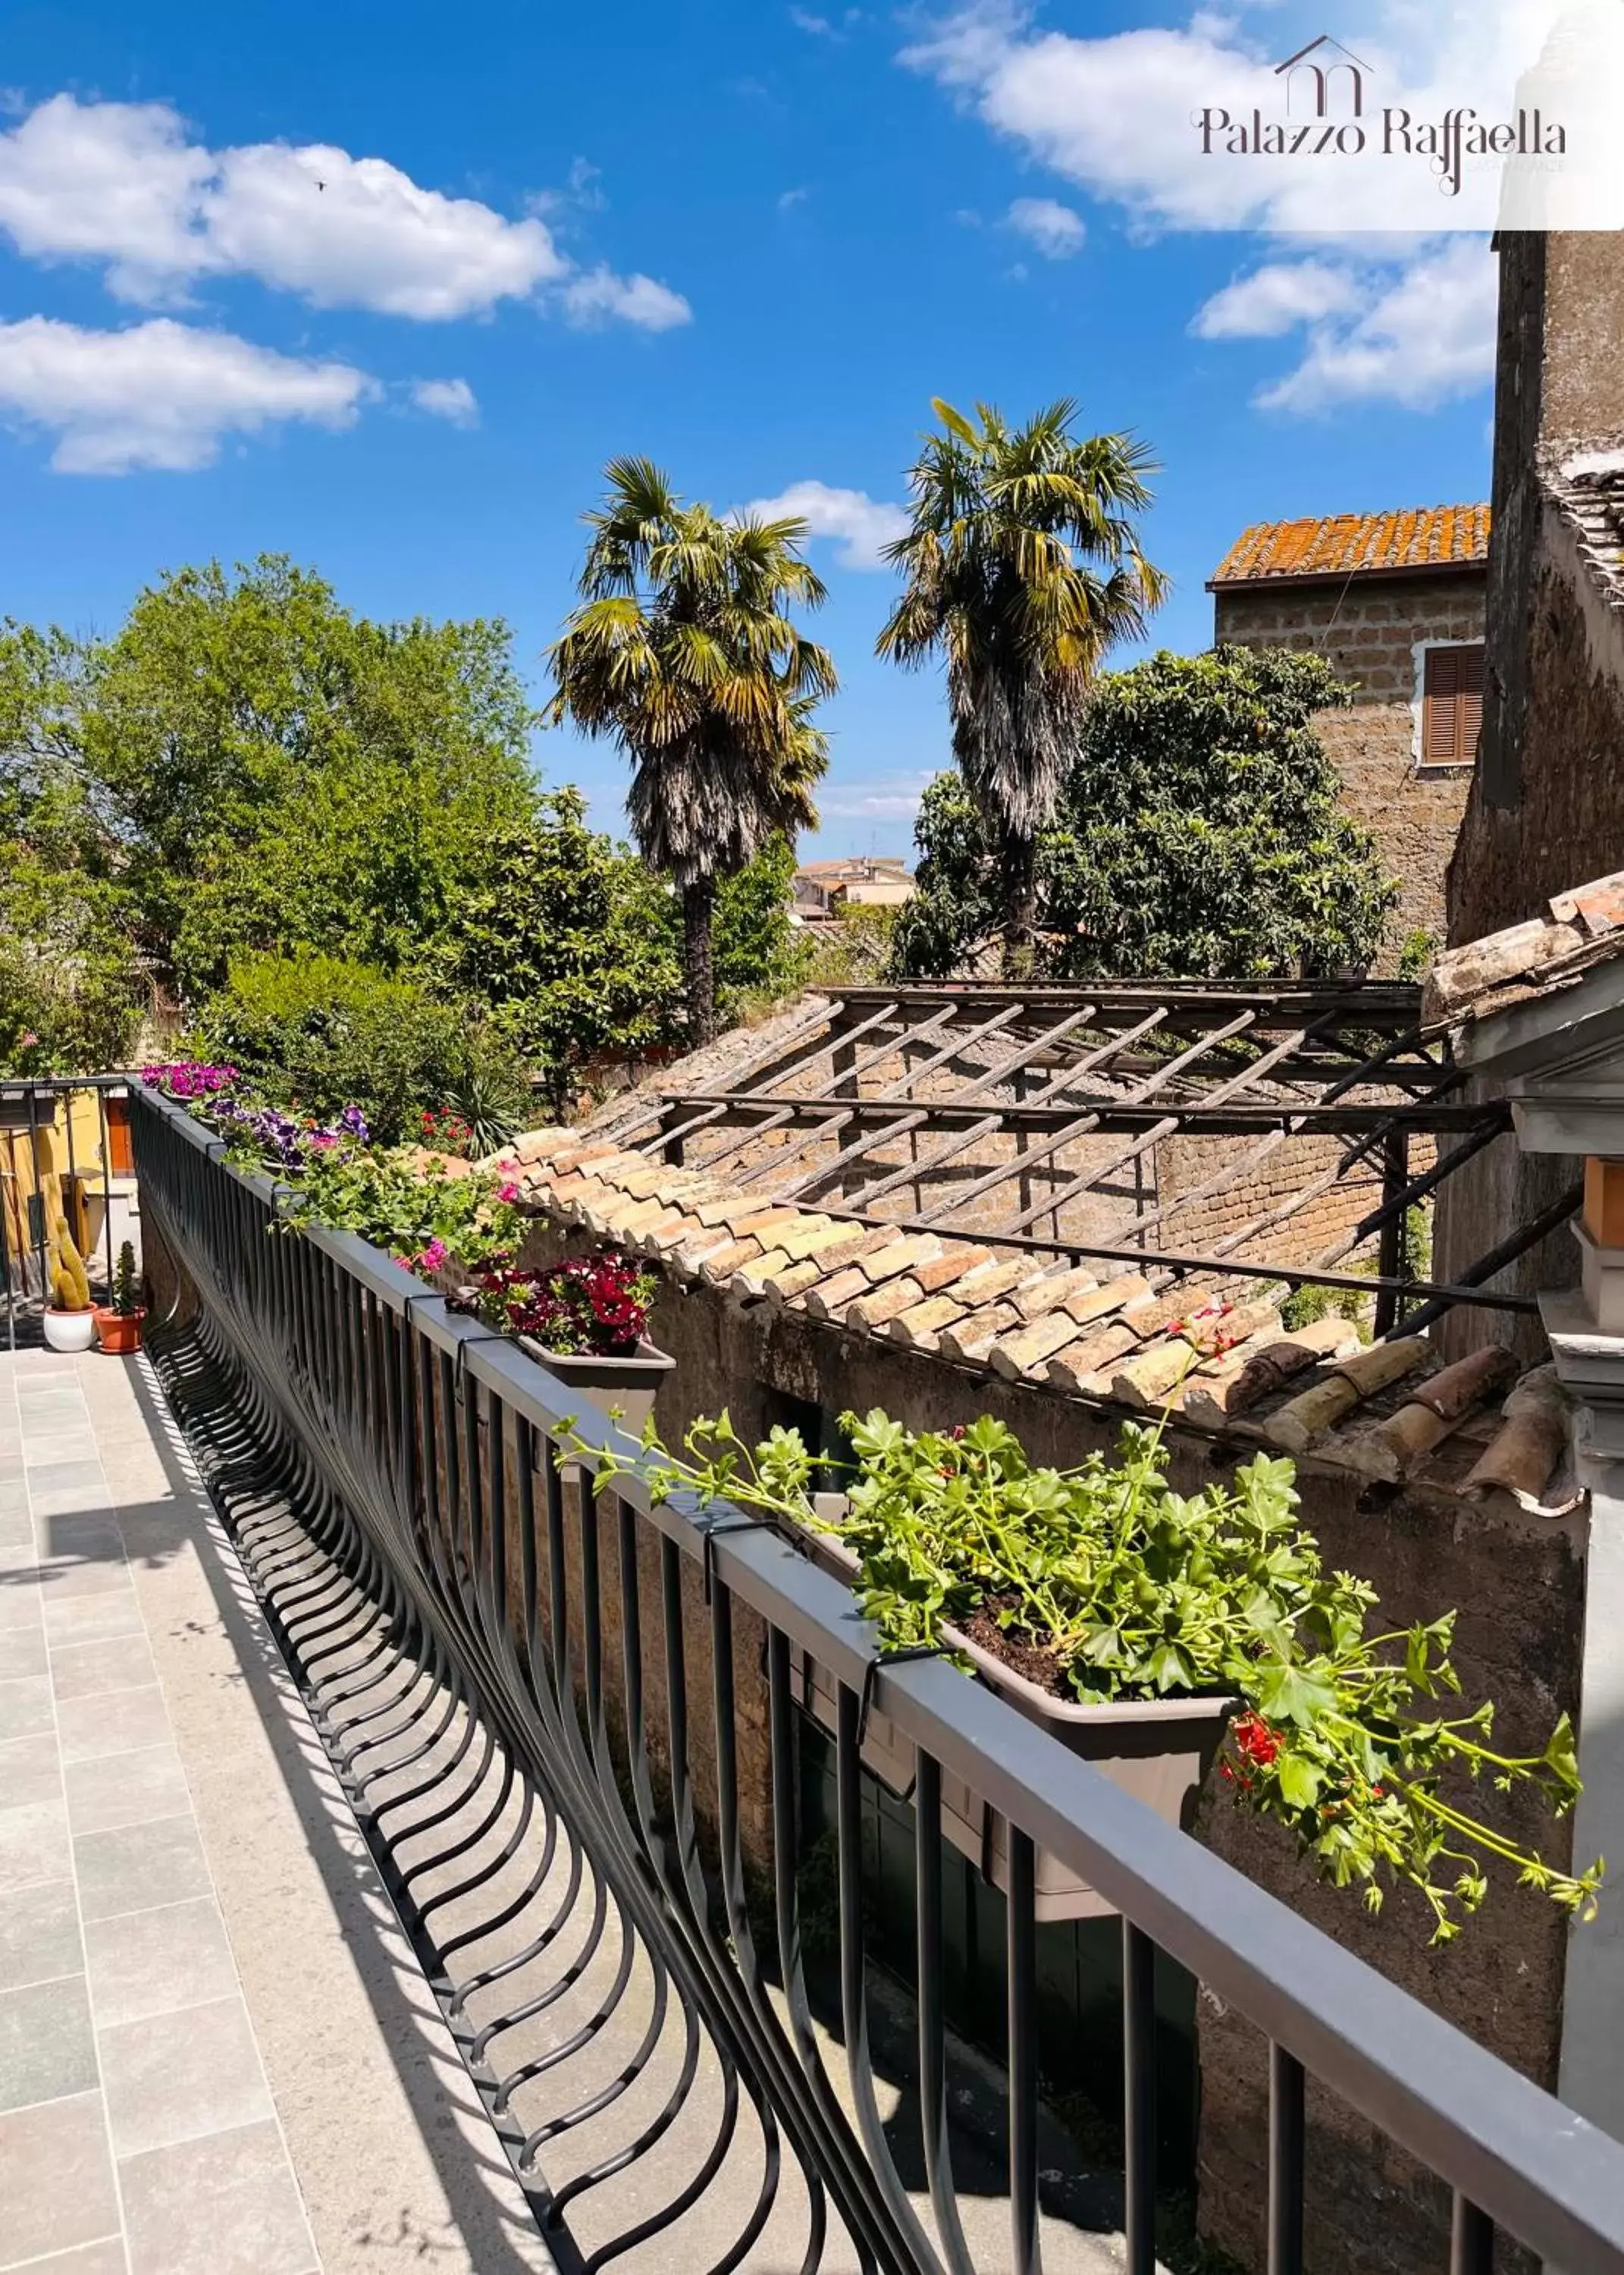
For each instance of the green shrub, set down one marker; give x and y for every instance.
(327, 1034)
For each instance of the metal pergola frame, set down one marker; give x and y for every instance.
(1046, 1066)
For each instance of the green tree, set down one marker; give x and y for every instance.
(1198, 835)
(72, 987)
(685, 652)
(758, 954)
(282, 773)
(569, 938)
(1023, 568)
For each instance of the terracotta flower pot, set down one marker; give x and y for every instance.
(69, 1331)
(119, 1333)
(1158, 1749)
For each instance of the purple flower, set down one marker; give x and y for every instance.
(354, 1123)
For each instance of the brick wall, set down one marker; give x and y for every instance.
(1368, 632)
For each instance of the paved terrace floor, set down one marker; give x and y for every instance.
(218, 2055)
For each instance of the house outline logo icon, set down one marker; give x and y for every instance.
(1333, 61)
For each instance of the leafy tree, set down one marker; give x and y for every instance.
(1023, 567)
(569, 937)
(282, 773)
(758, 954)
(1198, 835)
(321, 1033)
(71, 988)
(685, 652)
(73, 992)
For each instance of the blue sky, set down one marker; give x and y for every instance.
(749, 240)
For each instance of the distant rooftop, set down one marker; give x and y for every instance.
(1358, 544)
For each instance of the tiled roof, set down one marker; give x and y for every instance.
(1345, 544)
(1578, 929)
(1227, 1366)
(1588, 494)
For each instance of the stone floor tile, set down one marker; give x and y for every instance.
(109, 1722)
(30, 1771)
(25, 1710)
(86, 1670)
(151, 1962)
(131, 1788)
(39, 1935)
(61, 1582)
(92, 1619)
(104, 2259)
(175, 2076)
(223, 2206)
(138, 1866)
(58, 1443)
(47, 2048)
(68, 1489)
(20, 1596)
(22, 1651)
(56, 2178)
(34, 1845)
(78, 1539)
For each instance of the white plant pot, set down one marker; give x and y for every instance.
(70, 1331)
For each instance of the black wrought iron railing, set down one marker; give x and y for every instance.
(569, 1730)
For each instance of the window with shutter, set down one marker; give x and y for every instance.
(1451, 704)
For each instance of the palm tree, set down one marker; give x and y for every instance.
(682, 650)
(1022, 569)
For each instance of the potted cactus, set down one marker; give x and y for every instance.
(68, 1320)
(119, 1321)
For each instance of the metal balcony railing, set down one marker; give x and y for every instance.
(474, 1633)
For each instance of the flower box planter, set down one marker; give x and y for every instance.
(119, 1333)
(1159, 1751)
(630, 1384)
(69, 1331)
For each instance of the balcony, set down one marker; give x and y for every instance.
(404, 1867)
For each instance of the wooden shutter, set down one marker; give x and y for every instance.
(1452, 706)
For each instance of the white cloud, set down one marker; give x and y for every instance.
(1423, 337)
(804, 20)
(1119, 113)
(1056, 230)
(447, 398)
(888, 798)
(1275, 299)
(159, 394)
(356, 232)
(599, 295)
(124, 184)
(108, 181)
(864, 525)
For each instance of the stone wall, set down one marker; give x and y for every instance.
(1368, 631)
(1565, 823)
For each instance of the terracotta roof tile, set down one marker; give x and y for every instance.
(1223, 1367)
(1344, 544)
(1579, 928)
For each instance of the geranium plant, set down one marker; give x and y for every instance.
(1103, 1584)
(597, 1305)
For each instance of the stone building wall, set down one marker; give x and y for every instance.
(1369, 628)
